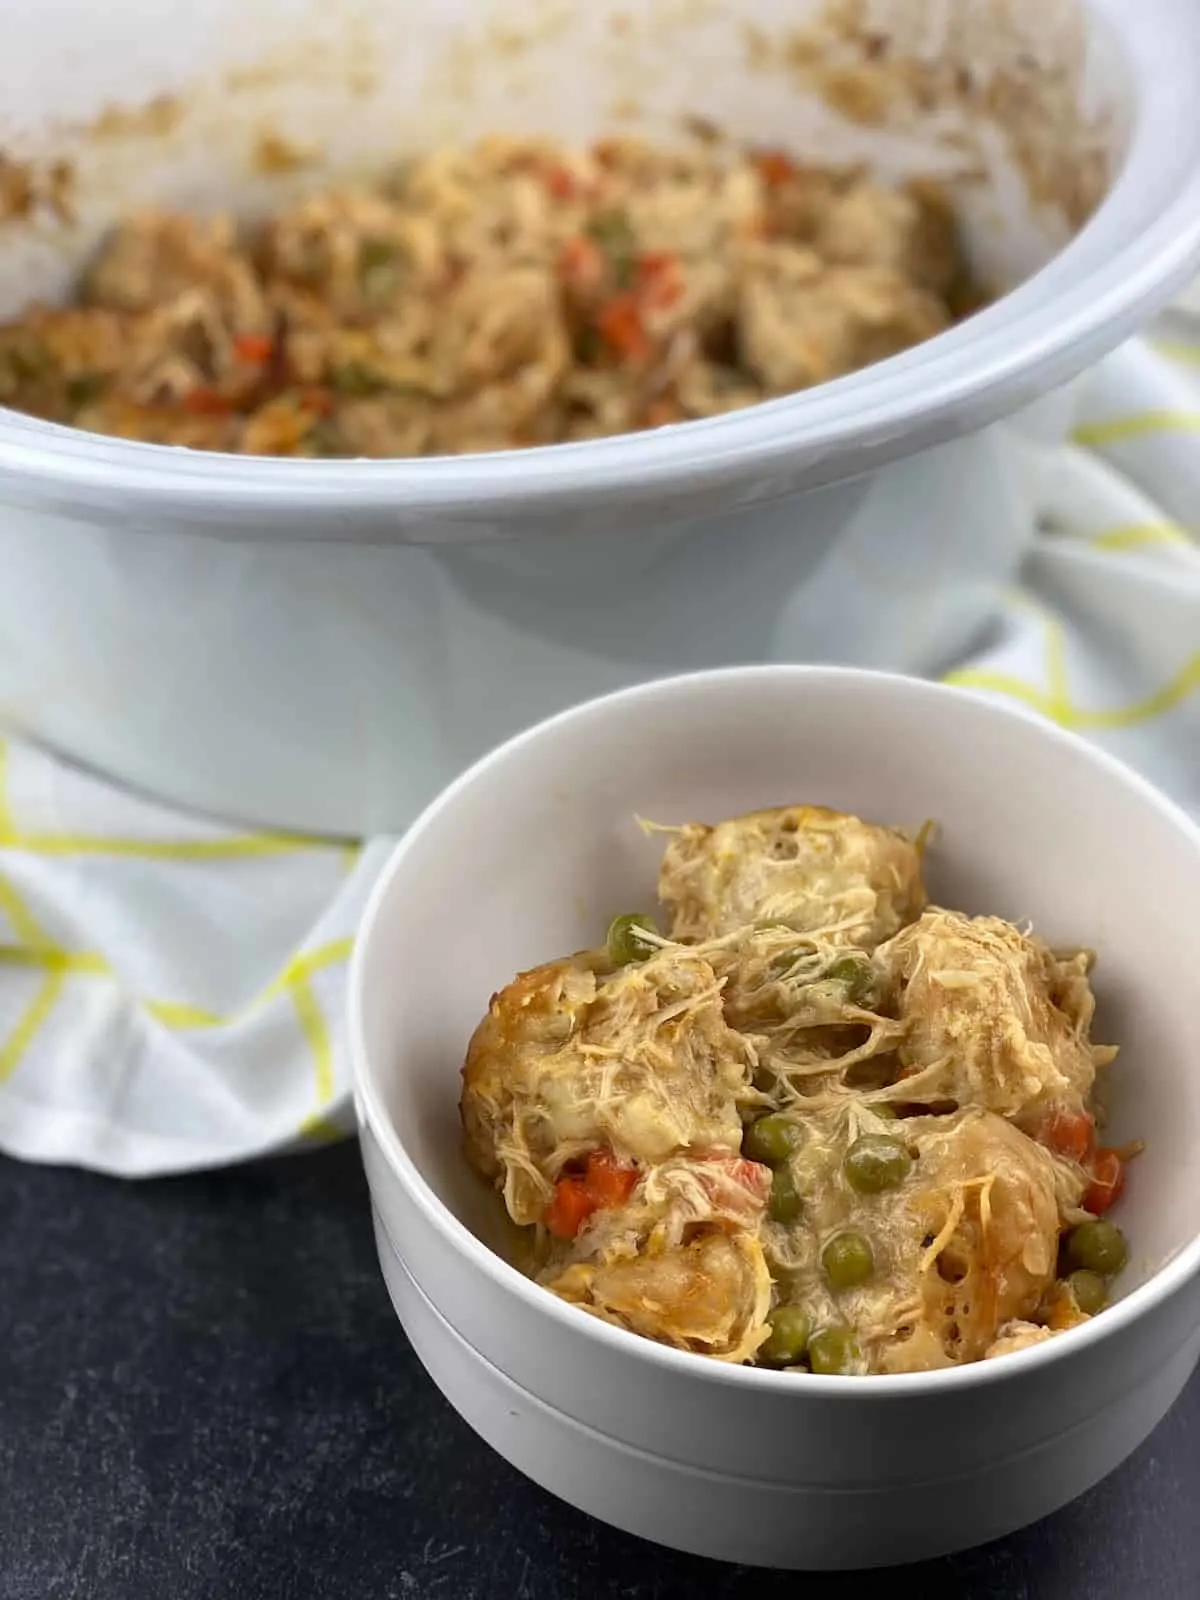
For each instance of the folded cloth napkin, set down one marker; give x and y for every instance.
(171, 992)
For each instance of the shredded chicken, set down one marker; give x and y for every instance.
(571, 1057)
(927, 1083)
(513, 293)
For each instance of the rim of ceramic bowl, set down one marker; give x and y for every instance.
(1170, 1277)
(1119, 266)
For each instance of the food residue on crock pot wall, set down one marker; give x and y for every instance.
(31, 188)
(1016, 70)
(516, 292)
(818, 1125)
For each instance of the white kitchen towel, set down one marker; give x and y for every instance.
(171, 992)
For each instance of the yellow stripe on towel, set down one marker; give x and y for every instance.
(226, 847)
(1136, 535)
(37, 949)
(1184, 683)
(1177, 350)
(1137, 427)
(232, 847)
(39, 1008)
(316, 1031)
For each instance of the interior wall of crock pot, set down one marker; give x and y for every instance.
(1020, 104)
(533, 863)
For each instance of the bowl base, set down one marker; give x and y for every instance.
(759, 1523)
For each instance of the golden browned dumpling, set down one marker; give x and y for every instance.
(813, 869)
(965, 1242)
(992, 1018)
(574, 1057)
(681, 1262)
(154, 260)
(980, 1239)
(801, 321)
(711, 1295)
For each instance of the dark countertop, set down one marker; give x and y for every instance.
(204, 1394)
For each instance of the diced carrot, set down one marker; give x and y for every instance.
(659, 280)
(577, 1196)
(774, 166)
(561, 183)
(654, 264)
(253, 347)
(317, 401)
(621, 327)
(205, 402)
(569, 1209)
(1107, 1181)
(581, 264)
(606, 1183)
(1070, 1134)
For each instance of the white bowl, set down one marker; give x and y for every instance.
(528, 856)
(311, 666)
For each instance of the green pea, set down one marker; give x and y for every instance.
(625, 945)
(875, 1162)
(1097, 1247)
(856, 974)
(31, 360)
(356, 378)
(588, 344)
(323, 439)
(772, 1139)
(85, 387)
(381, 272)
(374, 253)
(832, 1351)
(1090, 1291)
(613, 232)
(788, 1338)
(785, 1202)
(848, 1260)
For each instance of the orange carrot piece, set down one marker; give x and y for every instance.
(561, 183)
(1070, 1134)
(253, 347)
(659, 280)
(621, 327)
(206, 402)
(1107, 1181)
(570, 1208)
(606, 1183)
(775, 167)
(581, 263)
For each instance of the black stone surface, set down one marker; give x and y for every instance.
(204, 1394)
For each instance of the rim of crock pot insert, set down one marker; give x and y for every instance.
(1048, 327)
(1164, 1282)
